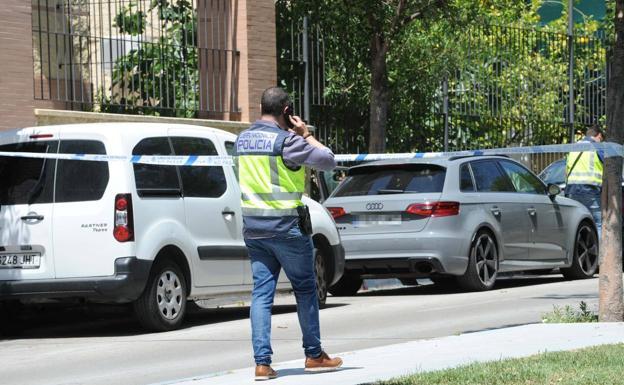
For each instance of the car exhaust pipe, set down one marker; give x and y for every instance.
(424, 268)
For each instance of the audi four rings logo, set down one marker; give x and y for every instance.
(374, 206)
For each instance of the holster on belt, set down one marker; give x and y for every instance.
(305, 222)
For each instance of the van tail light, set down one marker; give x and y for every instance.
(434, 209)
(124, 223)
(336, 212)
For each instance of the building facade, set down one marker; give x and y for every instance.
(198, 59)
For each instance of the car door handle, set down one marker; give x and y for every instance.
(32, 217)
(495, 211)
(232, 213)
(531, 211)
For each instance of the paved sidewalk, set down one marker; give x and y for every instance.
(381, 363)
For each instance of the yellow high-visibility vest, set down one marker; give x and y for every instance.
(587, 168)
(268, 187)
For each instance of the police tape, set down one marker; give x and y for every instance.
(608, 149)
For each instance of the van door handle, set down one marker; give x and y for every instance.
(531, 211)
(32, 217)
(232, 213)
(495, 211)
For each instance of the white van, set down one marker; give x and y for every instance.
(119, 232)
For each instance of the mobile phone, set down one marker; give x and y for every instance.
(288, 112)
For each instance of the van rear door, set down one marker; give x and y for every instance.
(26, 208)
(83, 212)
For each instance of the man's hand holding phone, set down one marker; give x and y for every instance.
(299, 126)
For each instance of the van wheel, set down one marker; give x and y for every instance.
(585, 262)
(321, 276)
(482, 264)
(347, 285)
(162, 306)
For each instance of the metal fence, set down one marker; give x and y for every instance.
(171, 58)
(513, 89)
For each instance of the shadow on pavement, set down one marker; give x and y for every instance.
(447, 288)
(301, 372)
(93, 320)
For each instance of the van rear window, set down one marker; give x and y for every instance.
(72, 185)
(393, 179)
(27, 180)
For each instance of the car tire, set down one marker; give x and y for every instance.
(482, 263)
(585, 261)
(162, 305)
(347, 285)
(320, 272)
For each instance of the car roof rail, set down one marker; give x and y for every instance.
(456, 157)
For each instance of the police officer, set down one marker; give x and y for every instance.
(584, 175)
(271, 154)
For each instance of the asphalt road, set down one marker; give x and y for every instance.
(104, 345)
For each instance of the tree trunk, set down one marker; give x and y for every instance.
(379, 95)
(611, 308)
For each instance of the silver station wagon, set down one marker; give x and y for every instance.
(461, 218)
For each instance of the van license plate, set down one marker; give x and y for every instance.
(20, 261)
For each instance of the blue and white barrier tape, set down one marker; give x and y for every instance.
(609, 150)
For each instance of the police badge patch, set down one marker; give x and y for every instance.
(256, 142)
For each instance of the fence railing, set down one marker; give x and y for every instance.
(512, 88)
(173, 58)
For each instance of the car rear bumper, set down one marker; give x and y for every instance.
(125, 285)
(395, 267)
(407, 254)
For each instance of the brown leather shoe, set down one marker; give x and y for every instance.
(322, 363)
(265, 372)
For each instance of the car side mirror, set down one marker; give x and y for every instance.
(553, 190)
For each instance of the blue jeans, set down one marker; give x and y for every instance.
(589, 196)
(295, 253)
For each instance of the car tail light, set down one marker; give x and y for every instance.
(124, 224)
(434, 209)
(336, 212)
(41, 136)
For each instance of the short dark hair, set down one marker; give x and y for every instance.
(595, 130)
(274, 99)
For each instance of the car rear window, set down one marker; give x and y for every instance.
(71, 183)
(490, 178)
(27, 180)
(395, 179)
(204, 181)
(155, 179)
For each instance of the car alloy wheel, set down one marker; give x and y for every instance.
(169, 295)
(587, 250)
(486, 259)
(321, 280)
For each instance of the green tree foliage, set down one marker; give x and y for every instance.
(507, 82)
(157, 77)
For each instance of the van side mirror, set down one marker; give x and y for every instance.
(553, 190)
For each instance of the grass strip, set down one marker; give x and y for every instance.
(600, 365)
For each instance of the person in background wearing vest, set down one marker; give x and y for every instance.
(271, 155)
(584, 175)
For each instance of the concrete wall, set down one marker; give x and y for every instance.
(49, 117)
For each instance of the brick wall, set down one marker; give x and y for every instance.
(16, 66)
(256, 43)
(255, 39)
